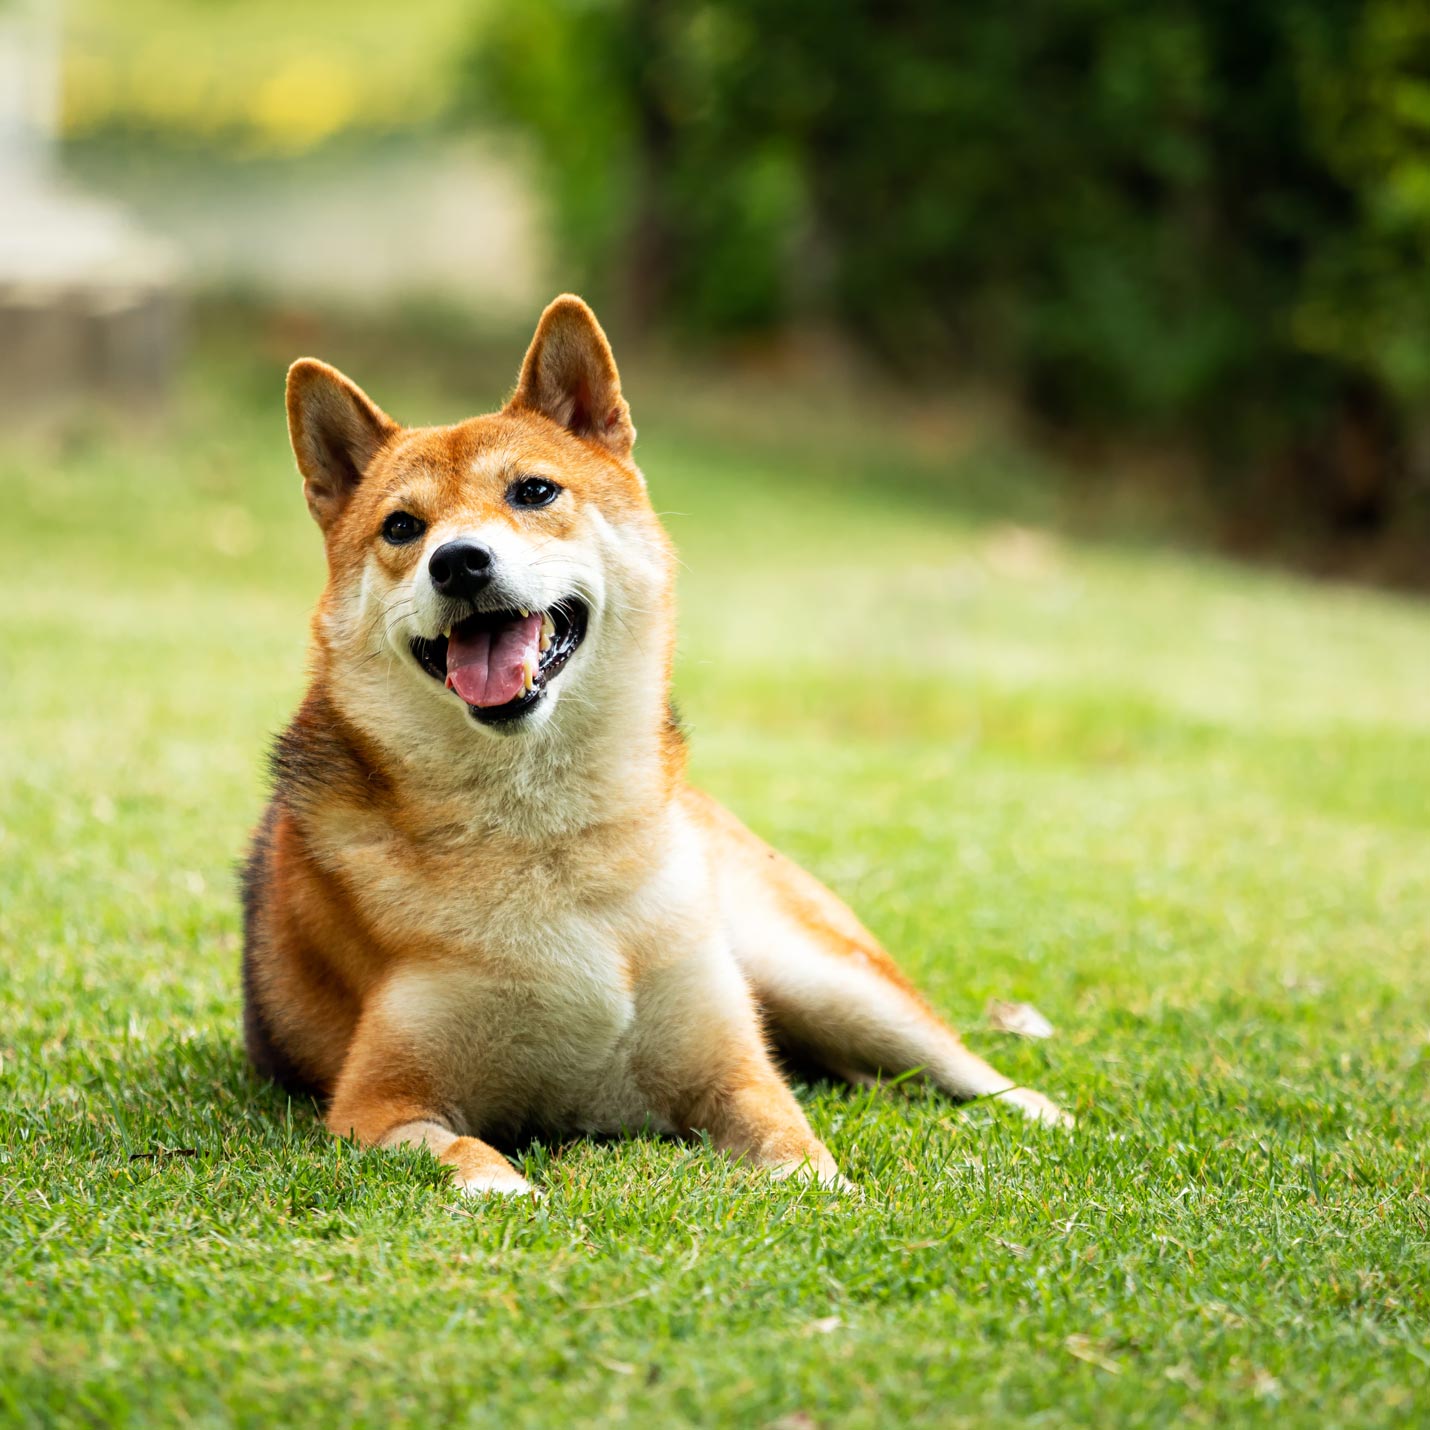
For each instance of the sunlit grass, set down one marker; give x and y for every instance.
(1180, 806)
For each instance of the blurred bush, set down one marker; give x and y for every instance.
(1208, 221)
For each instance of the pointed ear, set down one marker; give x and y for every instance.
(570, 376)
(336, 430)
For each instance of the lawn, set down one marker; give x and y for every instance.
(1181, 806)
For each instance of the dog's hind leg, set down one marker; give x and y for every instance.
(833, 1007)
(830, 994)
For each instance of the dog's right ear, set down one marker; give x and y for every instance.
(336, 430)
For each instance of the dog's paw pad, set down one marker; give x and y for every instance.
(1038, 1108)
(495, 1184)
(821, 1171)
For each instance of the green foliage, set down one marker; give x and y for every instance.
(659, 191)
(1367, 298)
(1121, 784)
(569, 80)
(1199, 219)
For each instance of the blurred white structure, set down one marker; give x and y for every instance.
(449, 221)
(88, 302)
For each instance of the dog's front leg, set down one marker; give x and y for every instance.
(385, 1098)
(751, 1114)
(707, 1054)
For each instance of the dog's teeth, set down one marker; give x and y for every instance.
(548, 628)
(524, 612)
(545, 643)
(528, 674)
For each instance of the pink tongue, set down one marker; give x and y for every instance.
(487, 667)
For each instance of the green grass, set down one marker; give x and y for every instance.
(1180, 806)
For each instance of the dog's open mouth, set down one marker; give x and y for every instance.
(500, 662)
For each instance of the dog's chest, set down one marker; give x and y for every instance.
(533, 979)
(541, 1034)
(520, 987)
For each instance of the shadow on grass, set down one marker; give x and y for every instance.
(197, 1097)
(195, 1100)
(185, 1097)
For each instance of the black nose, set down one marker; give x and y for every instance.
(461, 568)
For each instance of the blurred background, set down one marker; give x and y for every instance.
(1038, 396)
(1177, 255)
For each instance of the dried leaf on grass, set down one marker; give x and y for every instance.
(1021, 553)
(1020, 1018)
(1086, 1349)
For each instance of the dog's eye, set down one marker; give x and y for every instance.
(402, 527)
(532, 491)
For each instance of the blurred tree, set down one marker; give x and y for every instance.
(1205, 219)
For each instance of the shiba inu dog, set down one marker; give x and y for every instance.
(482, 897)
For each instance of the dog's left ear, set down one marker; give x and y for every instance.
(570, 376)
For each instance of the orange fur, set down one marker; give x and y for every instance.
(459, 923)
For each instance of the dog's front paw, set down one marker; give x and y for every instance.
(479, 1170)
(494, 1183)
(815, 1166)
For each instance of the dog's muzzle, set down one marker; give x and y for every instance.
(500, 662)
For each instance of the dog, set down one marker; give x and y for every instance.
(483, 900)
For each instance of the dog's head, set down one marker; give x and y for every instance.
(482, 575)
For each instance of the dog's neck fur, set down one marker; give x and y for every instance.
(609, 753)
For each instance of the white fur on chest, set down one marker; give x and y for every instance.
(541, 1033)
(541, 1002)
